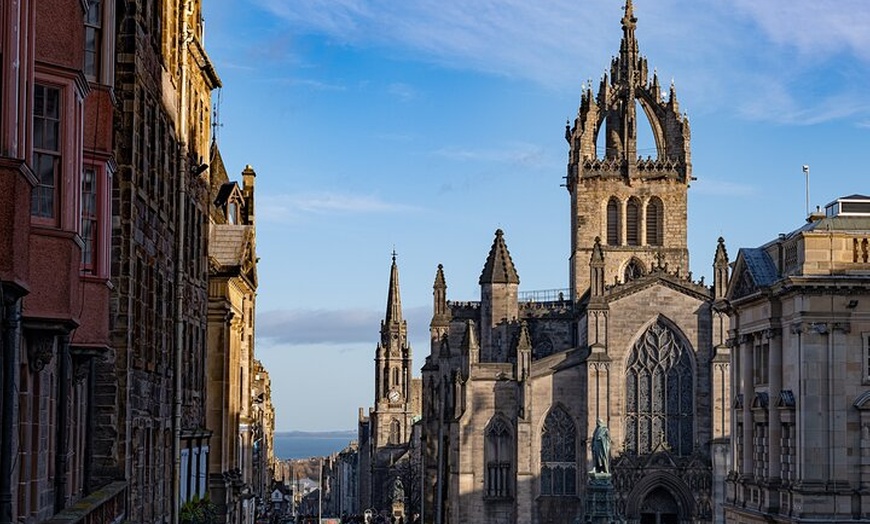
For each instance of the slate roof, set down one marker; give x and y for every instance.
(760, 266)
(499, 267)
(226, 243)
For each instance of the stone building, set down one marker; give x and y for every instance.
(263, 431)
(232, 414)
(150, 396)
(385, 433)
(515, 382)
(800, 326)
(56, 172)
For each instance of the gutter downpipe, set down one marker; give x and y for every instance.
(179, 267)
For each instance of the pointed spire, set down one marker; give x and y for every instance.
(628, 49)
(440, 316)
(720, 270)
(499, 267)
(524, 351)
(394, 301)
(470, 347)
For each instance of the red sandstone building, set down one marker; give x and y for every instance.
(56, 168)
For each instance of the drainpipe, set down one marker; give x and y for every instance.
(10, 346)
(60, 457)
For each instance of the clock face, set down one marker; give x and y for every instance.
(394, 395)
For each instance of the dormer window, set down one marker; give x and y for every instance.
(232, 213)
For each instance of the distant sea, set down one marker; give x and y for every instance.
(305, 444)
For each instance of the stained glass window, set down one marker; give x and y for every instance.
(659, 393)
(558, 454)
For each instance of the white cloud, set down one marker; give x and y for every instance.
(528, 155)
(560, 43)
(329, 326)
(291, 207)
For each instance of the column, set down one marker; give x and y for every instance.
(748, 393)
(774, 383)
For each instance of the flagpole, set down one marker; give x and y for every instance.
(806, 169)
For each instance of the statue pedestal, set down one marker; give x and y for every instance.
(600, 506)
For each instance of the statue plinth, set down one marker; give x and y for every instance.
(600, 504)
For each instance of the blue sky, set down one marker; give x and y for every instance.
(425, 125)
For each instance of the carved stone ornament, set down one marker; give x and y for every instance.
(81, 368)
(40, 349)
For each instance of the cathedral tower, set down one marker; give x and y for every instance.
(634, 200)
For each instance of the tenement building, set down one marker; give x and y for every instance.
(151, 391)
(516, 382)
(232, 415)
(800, 326)
(385, 467)
(56, 172)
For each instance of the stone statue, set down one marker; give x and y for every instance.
(601, 449)
(398, 490)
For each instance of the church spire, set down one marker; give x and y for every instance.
(394, 301)
(499, 267)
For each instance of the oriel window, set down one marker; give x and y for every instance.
(89, 218)
(93, 33)
(46, 151)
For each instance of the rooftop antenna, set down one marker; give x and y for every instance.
(216, 118)
(806, 170)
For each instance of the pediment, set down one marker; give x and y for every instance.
(754, 271)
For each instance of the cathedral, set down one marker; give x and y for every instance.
(515, 383)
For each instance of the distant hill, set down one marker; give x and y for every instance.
(339, 433)
(305, 444)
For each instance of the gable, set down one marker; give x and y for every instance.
(753, 271)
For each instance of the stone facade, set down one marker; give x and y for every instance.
(159, 200)
(515, 382)
(800, 329)
(232, 415)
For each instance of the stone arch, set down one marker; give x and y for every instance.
(558, 452)
(613, 226)
(633, 269)
(632, 221)
(655, 218)
(395, 432)
(649, 104)
(499, 453)
(660, 376)
(672, 485)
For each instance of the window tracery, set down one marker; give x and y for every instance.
(659, 393)
(498, 455)
(558, 454)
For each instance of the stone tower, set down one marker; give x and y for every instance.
(391, 419)
(635, 204)
(393, 370)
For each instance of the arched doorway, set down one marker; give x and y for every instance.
(659, 507)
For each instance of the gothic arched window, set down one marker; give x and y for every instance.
(613, 222)
(395, 432)
(498, 454)
(558, 454)
(633, 270)
(654, 222)
(659, 393)
(632, 222)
